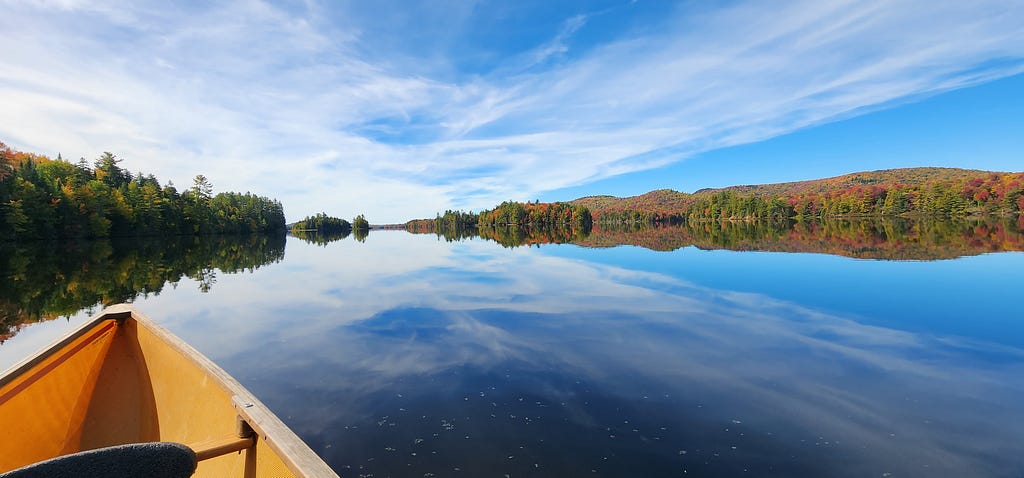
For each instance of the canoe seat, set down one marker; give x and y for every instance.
(156, 460)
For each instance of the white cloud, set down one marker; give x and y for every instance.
(284, 100)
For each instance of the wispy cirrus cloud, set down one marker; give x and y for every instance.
(300, 101)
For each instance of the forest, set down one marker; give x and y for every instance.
(939, 193)
(451, 224)
(511, 213)
(43, 198)
(536, 216)
(910, 192)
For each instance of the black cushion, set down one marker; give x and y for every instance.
(157, 460)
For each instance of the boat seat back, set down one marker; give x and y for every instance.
(155, 460)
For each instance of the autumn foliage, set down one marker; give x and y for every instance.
(866, 238)
(911, 192)
(511, 213)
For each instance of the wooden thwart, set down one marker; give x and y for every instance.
(219, 447)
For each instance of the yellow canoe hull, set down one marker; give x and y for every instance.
(122, 379)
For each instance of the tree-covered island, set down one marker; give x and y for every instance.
(321, 223)
(323, 229)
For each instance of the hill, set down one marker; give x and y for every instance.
(905, 176)
(892, 192)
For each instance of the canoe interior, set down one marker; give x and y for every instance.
(122, 379)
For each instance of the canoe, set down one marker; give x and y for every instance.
(121, 379)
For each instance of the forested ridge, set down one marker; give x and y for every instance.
(909, 192)
(50, 198)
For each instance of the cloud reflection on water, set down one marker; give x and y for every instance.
(349, 328)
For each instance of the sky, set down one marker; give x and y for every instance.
(402, 109)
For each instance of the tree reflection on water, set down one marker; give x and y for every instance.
(46, 280)
(887, 239)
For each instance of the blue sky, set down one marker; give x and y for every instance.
(400, 109)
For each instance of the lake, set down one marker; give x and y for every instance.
(414, 355)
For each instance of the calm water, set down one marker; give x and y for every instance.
(406, 355)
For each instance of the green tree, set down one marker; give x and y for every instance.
(197, 209)
(201, 188)
(108, 171)
(360, 223)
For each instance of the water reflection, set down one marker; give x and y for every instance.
(510, 236)
(493, 361)
(360, 234)
(409, 356)
(889, 239)
(49, 280)
(322, 239)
